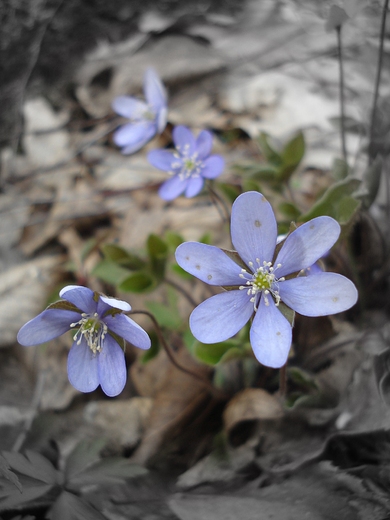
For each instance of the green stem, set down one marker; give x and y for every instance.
(180, 289)
(371, 146)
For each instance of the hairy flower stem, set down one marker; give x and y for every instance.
(371, 145)
(283, 381)
(214, 391)
(180, 289)
(219, 203)
(342, 101)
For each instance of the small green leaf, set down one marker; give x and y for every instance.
(8, 474)
(371, 182)
(110, 272)
(301, 378)
(348, 206)
(63, 305)
(153, 350)
(230, 192)
(158, 253)
(85, 454)
(329, 203)
(137, 283)
(270, 154)
(340, 169)
(173, 239)
(292, 155)
(289, 210)
(211, 354)
(32, 465)
(121, 256)
(166, 316)
(110, 470)
(288, 313)
(71, 507)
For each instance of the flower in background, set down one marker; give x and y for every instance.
(146, 119)
(264, 282)
(189, 165)
(95, 357)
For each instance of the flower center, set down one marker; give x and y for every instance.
(92, 329)
(190, 166)
(149, 114)
(262, 280)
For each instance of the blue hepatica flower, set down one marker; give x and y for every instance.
(265, 282)
(95, 357)
(189, 165)
(146, 119)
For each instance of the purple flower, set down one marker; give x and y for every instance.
(264, 282)
(95, 357)
(189, 165)
(146, 119)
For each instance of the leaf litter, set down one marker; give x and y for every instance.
(285, 463)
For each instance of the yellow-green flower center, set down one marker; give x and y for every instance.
(261, 281)
(92, 330)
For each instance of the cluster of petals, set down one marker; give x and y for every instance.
(95, 357)
(257, 289)
(189, 165)
(146, 118)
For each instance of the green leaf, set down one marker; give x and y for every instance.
(153, 350)
(33, 465)
(301, 378)
(167, 316)
(110, 272)
(288, 313)
(340, 169)
(121, 256)
(348, 206)
(371, 182)
(329, 203)
(111, 470)
(8, 474)
(231, 192)
(270, 154)
(211, 354)
(85, 454)
(158, 254)
(180, 272)
(137, 283)
(12, 498)
(63, 305)
(173, 239)
(289, 210)
(71, 507)
(292, 155)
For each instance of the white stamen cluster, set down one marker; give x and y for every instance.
(263, 280)
(190, 166)
(92, 329)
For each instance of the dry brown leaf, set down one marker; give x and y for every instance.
(178, 396)
(251, 404)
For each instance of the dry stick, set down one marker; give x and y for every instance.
(174, 361)
(377, 81)
(341, 84)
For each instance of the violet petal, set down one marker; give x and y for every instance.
(83, 367)
(48, 325)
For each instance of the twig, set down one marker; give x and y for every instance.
(174, 361)
(377, 82)
(180, 289)
(342, 101)
(35, 404)
(217, 198)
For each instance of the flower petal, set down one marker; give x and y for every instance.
(208, 263)
(172, 188)
(221, 316)
(112, 370)
(134, 135)
(80, 296)
(318, 295)
(48, 325)
(164, 160)
(128, 329)
(154, 90)
(129, 107)
(184, 140)
(307, 244)
(213, 167)
(161, 119)
(83, 367)
(204, 144)
(117, 304)
(194, 186)
(270, 335)
(253, 227)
